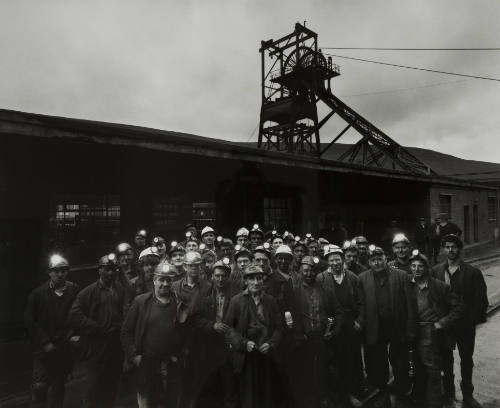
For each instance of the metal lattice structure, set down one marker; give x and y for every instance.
(295, 77)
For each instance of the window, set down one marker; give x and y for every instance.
(492, 208)
(204, 214)
(170, 214)
(82, 225)
(445, 204)
(277, 213)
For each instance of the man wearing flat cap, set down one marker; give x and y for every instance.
(46, 319)
(467, 282)
(256, 328)
(316, 317)
(388, 319)
(97, 315)
(152, 342)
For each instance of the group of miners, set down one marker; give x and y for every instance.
(272, 320)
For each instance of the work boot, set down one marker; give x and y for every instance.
(470, 402)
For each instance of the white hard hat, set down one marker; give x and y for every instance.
(206, 230)
(284, 249)
(242, 232)
(149, 251)
(400, 238)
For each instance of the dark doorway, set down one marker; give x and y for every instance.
(467, 224)
(20, 250)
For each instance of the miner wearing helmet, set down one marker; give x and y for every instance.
(208, 237)
(126, 262)
(161, 245)
(299, 250)
(148, 260)
(242, 258)
(256, 328)
(226, 249)
(315, 316)
(351, 258)
(208, 260)
(152, 342)
(210, 311)
(438, 309)
(46, 320)
(177, 254)
(140, 239)
(467, 282)
(401, 248)
(362, 244)
(242, 237)
(192, 244)
(279, 283)
(255, 236)
(388, 318)
(188, 290)
(97, 314)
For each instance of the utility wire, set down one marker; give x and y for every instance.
(415, 68)
(409, 49)
(405, 89)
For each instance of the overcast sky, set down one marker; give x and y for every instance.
(194, 66)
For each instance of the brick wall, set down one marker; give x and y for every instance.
(461, 198)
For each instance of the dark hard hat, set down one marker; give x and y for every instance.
(108, 260)
(375, 251)
(417, 255)
(224, 263)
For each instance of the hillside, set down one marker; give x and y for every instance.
(441, 163)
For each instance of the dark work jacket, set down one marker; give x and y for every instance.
(85, 311)
(39, 320)
(238, 317)
(204, 317)
(357, 268)
(280, 288)
(134, 325)
(397, 265)
(327, 280)
(300, 308)
(403, 307)
(446, 305)
(474, 294)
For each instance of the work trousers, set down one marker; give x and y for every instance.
(158, 382)
(50, 371)
(429, 365)
(222, 380)
(348, 363)
(465, 340)
(104, 367)
(311, 375)
(377, 358)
